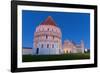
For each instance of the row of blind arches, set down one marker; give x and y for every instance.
(47, 46)
(47, 37)
(48, 29)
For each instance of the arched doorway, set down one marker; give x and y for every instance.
(37, 51)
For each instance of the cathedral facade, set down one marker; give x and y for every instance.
(72, 47)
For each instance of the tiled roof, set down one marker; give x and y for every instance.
(48, 21)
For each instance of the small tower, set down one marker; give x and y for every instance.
(82, 46)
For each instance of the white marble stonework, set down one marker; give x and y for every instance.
(47, 38)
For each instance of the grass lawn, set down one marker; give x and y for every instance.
(78, 56)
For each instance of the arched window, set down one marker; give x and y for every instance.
(53, 37)
(48, 29)
(66, 51)
(42, 46)
(47, 45)
(52, 45)
(46, 37)
(37, 50)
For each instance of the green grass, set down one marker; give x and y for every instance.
(78, 56)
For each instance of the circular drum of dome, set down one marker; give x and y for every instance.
(47, 38)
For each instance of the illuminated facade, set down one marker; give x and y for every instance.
(71, 47)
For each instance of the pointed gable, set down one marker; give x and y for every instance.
(48, 21)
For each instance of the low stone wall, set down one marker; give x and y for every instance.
(27, 51)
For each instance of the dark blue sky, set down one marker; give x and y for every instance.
(74, 26)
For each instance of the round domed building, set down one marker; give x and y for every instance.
(47, 38)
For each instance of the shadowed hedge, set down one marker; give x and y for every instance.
(78, 56)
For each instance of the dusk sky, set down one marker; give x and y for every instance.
(74, 26)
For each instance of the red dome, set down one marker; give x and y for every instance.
(48, 21)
